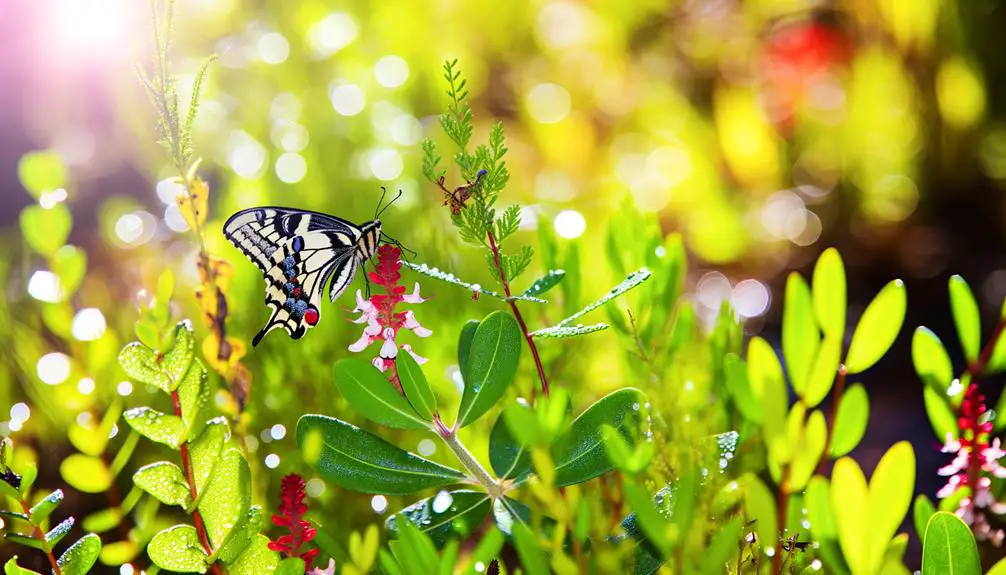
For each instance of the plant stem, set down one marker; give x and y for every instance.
(781, 519)
(976, 368)
(37, 533)
(190, 478)
(836, 398)
(468, 461)
(516, 312)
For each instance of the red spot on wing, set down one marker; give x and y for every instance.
(311, 316)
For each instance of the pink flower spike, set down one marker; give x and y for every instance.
(414, 297)
(419, 359)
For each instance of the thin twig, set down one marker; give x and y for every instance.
(37, 533)
(516, 312)
(836, 398)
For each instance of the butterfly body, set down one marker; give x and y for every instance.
(299, 252)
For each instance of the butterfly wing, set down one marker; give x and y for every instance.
(298, 252)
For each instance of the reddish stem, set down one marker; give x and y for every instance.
(37, 533)
(516, 313)
(190, 478)
(836, 398)
(977, 367)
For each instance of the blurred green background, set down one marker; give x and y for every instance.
(762, 131)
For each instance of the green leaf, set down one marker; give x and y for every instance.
(291, 566)
(736, 378)
(86, 473)
(647, 520)
(417, 389)
(70, 264)
(721, 548)
(966, 317)
(80, 557)
(104, 520)
(177, 361)
(532, 558)
(46, 230)
(24, 539)
(823, 524)
(759, 504)
(368, 391)
(545, 283)
(156, 426)
(140, 363)
(629, 459)
(465, 344)
(12, 568)
(492, 364)
(508, 457)
(891, 490)
(165, 482)
(823, 371)
(44, 508)
(829, 293)
(850, 420)
(178, 549)
(949, 547)
(242, 535)
(998, 569)
(769, 387)
(118, 552)
(57, 533)
(931, 360)
(227, 498)
(922, 511)
(579, 453)
(632, 280)
(256, 559)
(811, 447)
(878, 327)
(194, 399)
(800, 335)
(205, 452)
(447, 515)
(562, 331)
(850, 500)
(941, 416)
(41, 171)
(416, 551)
(354, 459)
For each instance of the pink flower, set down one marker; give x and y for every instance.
(383, 322)
(975, 462)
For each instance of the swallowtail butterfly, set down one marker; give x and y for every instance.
(299, 252)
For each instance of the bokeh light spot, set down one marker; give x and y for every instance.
(273, 48)
(548, 103)
(291, 167)
(347, 99)
(386, 164)
(44, 286)
(570, 224)
(88, 324)
(391, 71)
(53, 368)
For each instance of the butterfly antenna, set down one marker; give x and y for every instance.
(377, 210)
(393, 200)
(398, 244)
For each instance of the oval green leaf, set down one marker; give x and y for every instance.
(941, 416)
(465, 344)
(354, 459)
(850, 420)
(80, 557)
(800, 335)
(878, 327)
(57, 533)
(46, 230)
(44, 508)
(104, 520)
(417, 389)
(736, 376)
(811, 447)
(949, 547)
(823, 371)
(759, 504)
(769, 387)
(508, 457)
(140, 363)
(891, 489)
(931, 360)
(178, 549)
(829, 293)
(492, 363)
(850, 501)
(86, 473)
(205, 451)
(369, 392)
(12, 568)
(446, 515)
(579, 452)
(156, 426)
(41, 171)
(257, 558)
(165, 482)
(227, 497)
(922, 511)
(966, 317)
(532, 557)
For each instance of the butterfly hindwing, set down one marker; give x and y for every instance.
(294, 283)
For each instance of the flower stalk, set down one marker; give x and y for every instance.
(291, 517)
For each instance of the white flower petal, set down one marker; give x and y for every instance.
(419, 359)
(414, 297)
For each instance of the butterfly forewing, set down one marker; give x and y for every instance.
(299, 252)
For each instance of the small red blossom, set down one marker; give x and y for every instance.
(975, 463)
(382, 319)
(291, 516)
